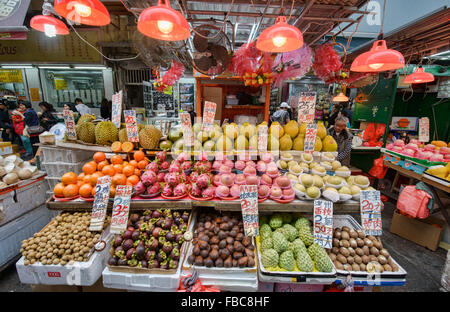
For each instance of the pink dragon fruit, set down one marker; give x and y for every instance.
(164, 165)
(174, 167)
(202, 166)
(203, 181)
(180, 189)
(183, 157)
(196, 190)
(193, 176)
(167, 190)
(148, 178)
(209, 192)
(155, 188)
(182, 177)
(421, 154)
(412, 146)
(415, 141)
(216, 165)
(160, 177)
(186, 165)
(409, 152)
(430, 147)
(161, 156)
(153, 166)
(171, 179)
(140, 187)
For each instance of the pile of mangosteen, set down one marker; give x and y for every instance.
(152, 240)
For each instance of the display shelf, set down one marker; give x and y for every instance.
(244, 107)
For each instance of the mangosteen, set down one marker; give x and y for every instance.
(150, 229)
(173, 264)
(131, 228)
(140, 252)
(111, 251)
(131, 253)
(144, 264)
(127, 234)
(167, 247)
(175, 254)
(156, 232)
(127, 244)
(176, 220)
(112, 261)
(119, 252)
(167, 224)
(122, 262)
(176, 214)
(132, 263)
(183, 227)
(150, 255)
(147, 213)
(117, 241)
(179, 238)
(156, 214)
(144, 236)
(135, 235)
(152, 243)
(161, 241)
(153, 264)
(174, 228)
(147, 218)
(167, 213)
(185, 216)
(134, 217)
(161, 256)
(164, 265)
(159, 222)
(170, 236)
(191, 259)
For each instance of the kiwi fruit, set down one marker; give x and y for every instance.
(338, 234)
(346, 228)
(335, 250)
(332, 256)
(362, 266)
(344, 251)
(372, 258)
(361, 234)
(353, 242)
(359, 252)
(384, 253)
(355, 267)
(359, 242)
(341, 259)
(350, 260)
(345, 235)
(387, 267)
(353, 234)
(347, 267)
(357, 259)
(335, 242)
(374, 251)
(344, 243)
(382, 259)
(395, 267)
(338, 265)
(366, 250)
(365, 259)
(372, 238)
(368, 242)
(378, 245)
(351, 251)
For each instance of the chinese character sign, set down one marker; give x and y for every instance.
(130, 123)
(121, 209)
(306, 107)
(310, 137)
(209, 112)
(70, 124)
(249, 207)
(116, 109)
(371, 212)
(262, 138)
(100, 203)
(424, 129)
(186, 127)
(323, 223)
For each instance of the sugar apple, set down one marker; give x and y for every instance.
(280, 243)
(305, 235)
(300, 222)
(269, 258)
(313, 249)
(304, 261)
(276, 221)
(287, 261)
(296, 246)
(266, 244)
(265, 231)
(291, 232)
(322, 261)
(287, 217)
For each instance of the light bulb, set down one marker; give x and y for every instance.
(376, 65)
(50, 30)
(165, 26)
(279, 41)
(83, 10)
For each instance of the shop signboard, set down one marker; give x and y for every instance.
(323, 223)
(424, 129)
(61, 84)
(70, 124)
(307, 107)
(249, 208)
(116, 110)
(370, 206)
(404, 123)
(209, 112)
(100, 203)
(121, 209)
(310, 138)
(131, 125)
(11, 76)
(186, 127)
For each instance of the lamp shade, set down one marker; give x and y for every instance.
(87, 12)
(48, 24)
(340, 98)
(280, 37)
(378, 59)
(419, 76)
(164, 23)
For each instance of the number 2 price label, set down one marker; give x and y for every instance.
(121, 209)
(209, 112)
(186, 127)
(323, 223)
(371, 212)
(310, 138)
(70, 124)
(100, 203)
(131, 124)
(249, 207)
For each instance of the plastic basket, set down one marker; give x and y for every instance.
(52, 181)
(51, 155)
(57, 169)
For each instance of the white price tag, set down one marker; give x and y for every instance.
(131, 125)
(100, 203)
(116, 109)
(323, 223)
(70, 124)
(424, 129)
(306, 107)
(370, 205)
(310, 137)
(249, 207)
(121, 209)
(186, 127)
(209, 112)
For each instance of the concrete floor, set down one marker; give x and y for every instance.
(424, 267)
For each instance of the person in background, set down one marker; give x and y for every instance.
(343, 139)
(105, 109)
(282, 114)
(335, 110)
(31, 120)
(71, 107)
(190, 110)
(83, 109)
(347, 112)
(47, 120)
(5, 122)
(18, 120)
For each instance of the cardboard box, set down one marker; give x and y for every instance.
(5, 148)
(423, 232)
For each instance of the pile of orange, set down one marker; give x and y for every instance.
(120, 171)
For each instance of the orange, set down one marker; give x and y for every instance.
(129, 183)
(93, 192)
(134, 163)
(89, 168)
(102, 164)
(85, 190)
(116, 146)
(109, 170)
(69, 178)
(80, 183)
(112, 191)
(128, 170)
(134, 179)
(87, 179)
(127, 147)
(58, 190)
(116, 160)
(125, 163)
(142, 164)
(118, 168)
(137, 172)
(94, 177)
(70, 190)
(81, 176)
(119, 179)
(99, 157)
(139, 155)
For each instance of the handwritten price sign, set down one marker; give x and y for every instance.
(116, 109)
(306, 107)
(186, 127)
(100, 203)
(371, 212)
(323, 223)
(310, 138)
(209, 112)
(262, 138)
(424, 129)
(121, 209)
(249, 207)
(131, 124)
(70, 124)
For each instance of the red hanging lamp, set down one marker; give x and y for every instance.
(419, 76)
(49, 24)
(87, 12)
(378, 59)
(280, 37)
(163, 23)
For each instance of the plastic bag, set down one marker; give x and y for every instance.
(379, 169)
(194, 285)
(414, 202)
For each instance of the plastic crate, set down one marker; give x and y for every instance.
(52, 182)
(57, 169)
(51, 155)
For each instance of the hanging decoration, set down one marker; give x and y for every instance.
(245, 60)
(327, 62)
(165, 82)
(263, 75)
(293, 64)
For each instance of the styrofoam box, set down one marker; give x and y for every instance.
(13, 233)
(57, 169)
(20, 201)
(79, 274)
(51, 154)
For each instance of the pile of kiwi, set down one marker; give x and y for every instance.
(353, 251)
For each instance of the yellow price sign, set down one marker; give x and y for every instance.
(11, 75)
(61, 84)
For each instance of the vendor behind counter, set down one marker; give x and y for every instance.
(343, 138)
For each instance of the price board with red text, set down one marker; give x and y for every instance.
(249, 207)
(424, 129)
(371, 212)
(186, 128)
(70, 124)
(306, 107)
(116, 109)
(310, 138)
(209, 113)
(323, 223)
(131, 125)
(121, 208)
(100, 203)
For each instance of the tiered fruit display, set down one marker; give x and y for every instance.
(354, 251)
(286, 243)
(152, 179)
(440, 171)
(65, 240)
(436, 151)
(152, 240)
(219, 241)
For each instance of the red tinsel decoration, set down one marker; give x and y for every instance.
(245, 60)
(173, 74)
(327, 61)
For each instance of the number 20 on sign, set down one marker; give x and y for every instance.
(371, 212)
